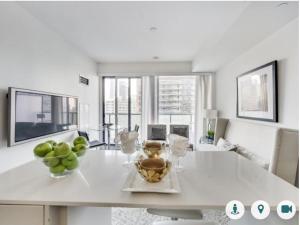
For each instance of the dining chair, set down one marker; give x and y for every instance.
(157, 132)
(92, 144)
(184, 222)
(181, 130)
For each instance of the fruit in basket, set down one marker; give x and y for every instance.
(153, 169)
(42, 149)
(153, 149)
(62, 150)
(79, 149)
(80, 140)
(70, 162)
(52, 143)
(57, 169)
(152, 144)
(51, 160)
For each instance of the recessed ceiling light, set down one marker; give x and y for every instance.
(155, 57)
(282, 4)
(153, 29)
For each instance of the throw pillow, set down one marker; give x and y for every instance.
(224, 145)
(253, 157)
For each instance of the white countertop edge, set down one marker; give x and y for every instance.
(123, 205)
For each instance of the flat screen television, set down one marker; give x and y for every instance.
(36, 114)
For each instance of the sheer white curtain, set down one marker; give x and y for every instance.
(149, 103)
(204, 100)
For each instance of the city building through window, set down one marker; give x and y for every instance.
(176, 101)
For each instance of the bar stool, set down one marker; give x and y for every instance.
(177, 213)
(92, 144)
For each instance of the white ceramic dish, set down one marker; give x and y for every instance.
(135, 183)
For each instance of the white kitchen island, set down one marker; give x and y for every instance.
(209, 180)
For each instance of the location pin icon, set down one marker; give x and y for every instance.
(260, 208)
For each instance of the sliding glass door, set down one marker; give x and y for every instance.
(176, 101)
(122, 103)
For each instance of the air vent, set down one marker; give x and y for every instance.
(83, 80)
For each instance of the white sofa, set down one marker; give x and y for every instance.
(279, 147)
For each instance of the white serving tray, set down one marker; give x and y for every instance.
(135, 183)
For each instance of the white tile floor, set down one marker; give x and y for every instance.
(128, 216)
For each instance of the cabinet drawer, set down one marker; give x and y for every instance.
(21, 215)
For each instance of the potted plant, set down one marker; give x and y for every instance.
(210, 134)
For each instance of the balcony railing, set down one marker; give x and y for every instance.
(110, 118)
(176, 118)
(172, 117)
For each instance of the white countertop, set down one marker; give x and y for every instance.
(209, 180)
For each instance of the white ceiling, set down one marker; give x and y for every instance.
(258, 21)
(119, 31)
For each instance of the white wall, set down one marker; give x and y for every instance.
(34, 57)
(282, 46)
(146, 68)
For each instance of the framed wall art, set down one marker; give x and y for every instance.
(257, 94)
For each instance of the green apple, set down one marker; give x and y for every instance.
(42, 149)
(81, 153)
(57, 169)
(66, 162)
(80, 140)
(79, 149)
(52, 143)
(71, 161)
(51, 160)
(62, 150)
(71, 156)
(71, 165)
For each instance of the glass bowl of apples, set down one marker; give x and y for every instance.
(61, 158)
